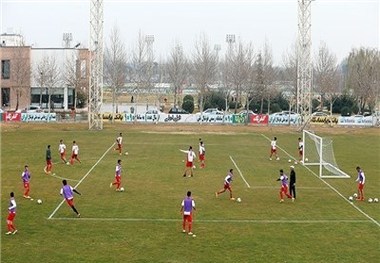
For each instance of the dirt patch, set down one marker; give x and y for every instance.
(188, 128)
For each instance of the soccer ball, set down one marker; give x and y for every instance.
(238, 200)
(351, 198)
(370, 200)
(122, 189)
(306, 160)
(194, 167)
(68, 163)
(376, 200)
(295, 162)
(355, 195)
(126, 153)
(39, 201)
(289, 160)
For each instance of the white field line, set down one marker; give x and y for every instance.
(59, 177)
(81, 180)
(241, 175)
(253, 221)
(332, 188)
(304, 187)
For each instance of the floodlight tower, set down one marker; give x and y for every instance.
(95, 96)
(304, 63)
(230, 39)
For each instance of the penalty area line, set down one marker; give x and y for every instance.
(332, 188)
(250, 221)
(241, 174)
(59, 177)
(81, 180)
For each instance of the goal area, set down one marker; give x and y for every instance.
(319, 151)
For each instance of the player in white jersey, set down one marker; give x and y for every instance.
(300, 149)
(273, 149)
(227, 185)
(361, 181)
(119, 141)
(202, 152)
(190, 156)
(74, 153)
(62, 151)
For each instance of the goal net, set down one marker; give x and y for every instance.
(319, 151)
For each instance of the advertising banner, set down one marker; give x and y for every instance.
(324, 120)
(357, 120)
(11, 116)
(38, 117)
(259, 119)
(116, 116)
(284, 119)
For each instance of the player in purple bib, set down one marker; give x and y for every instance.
(68, 193)
(25, 176)
(187, 207)
(284, 186)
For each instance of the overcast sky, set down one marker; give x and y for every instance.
(342, 24)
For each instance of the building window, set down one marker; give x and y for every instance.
(5, 97)
(5, 69)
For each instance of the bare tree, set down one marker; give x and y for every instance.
(115, 62)
(289, 74)
(241, 61)
(177, 69)
(20, 71)
(142, 64)
(227, 86)
(363, 76)
(204, 63)
(72, 76)
(326, 76)
(47, 74)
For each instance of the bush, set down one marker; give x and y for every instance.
(188, 97)
(188, 105)
(346, 111)
(214, 100)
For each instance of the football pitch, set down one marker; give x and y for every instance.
(144, 224)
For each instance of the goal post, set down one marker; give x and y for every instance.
(319, 151)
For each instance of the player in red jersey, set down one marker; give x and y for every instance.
(119, 141)
(11, 215)
(300, 149)
(273, 149)
(62, 151)
(117, 181)
(25, 176)
(284, 186)
(74, 153)
(227, 185)
(189, 161)
(202, 152)
(49, 164)
(361, 181)
(187, 207)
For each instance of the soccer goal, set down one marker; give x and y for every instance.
(319, 151)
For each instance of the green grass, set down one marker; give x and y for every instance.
(143, 224)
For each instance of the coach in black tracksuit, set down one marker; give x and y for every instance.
(292, 183)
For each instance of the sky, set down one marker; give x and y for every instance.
(341, 24)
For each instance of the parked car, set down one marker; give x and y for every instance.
(178, 111)
(319, 114)
(32, 109)
(212, 111)
(244, 112)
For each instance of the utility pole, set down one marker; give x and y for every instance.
(95, 96)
